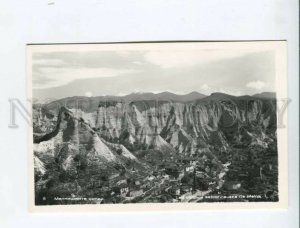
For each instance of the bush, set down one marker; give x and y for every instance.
(119, 151)
(81, 161)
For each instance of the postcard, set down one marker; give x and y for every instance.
(158, 126)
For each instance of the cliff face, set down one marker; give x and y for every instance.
(218, 121)
(116, 140)
(184, 126)
(73, 141)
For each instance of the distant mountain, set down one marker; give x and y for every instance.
(138, 96)
(218, 96)
(269, 95)
(164, 96)
(92, 103)
(223, 96)
(193, 96)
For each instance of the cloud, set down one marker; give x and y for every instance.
(257, 85)
(88, 94)
(55, 69)
(54, 77)
(179, 58)
(205, 87)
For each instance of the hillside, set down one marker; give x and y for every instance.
(156, 135)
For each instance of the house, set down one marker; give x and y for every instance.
(124, 191)
(111, 177)
(221, 175)
(137, 183)
(136, 193)
(105, 189)
(227, 164)
(232, 185)
(174, 190)
(173, 171)
(177, 192)
(270, 167)
(201, 174)
(181, 175)
(120, 182)
(193, 162)
(186, 189)
(212, 184)
(166, 177)
(189, 168)
(220, 184)
(155, 173)
(207, 169)
(173, 178)
(150, 178)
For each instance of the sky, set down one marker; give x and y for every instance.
(61, 74)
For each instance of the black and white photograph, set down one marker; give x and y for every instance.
(164, 114)
(159, 123)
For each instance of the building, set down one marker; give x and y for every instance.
(136, 193)
(174, 191)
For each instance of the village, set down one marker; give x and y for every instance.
(193, 179)
(186, 180)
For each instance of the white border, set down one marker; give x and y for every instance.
(280, 47)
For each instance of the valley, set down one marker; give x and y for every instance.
(155, 148)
